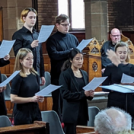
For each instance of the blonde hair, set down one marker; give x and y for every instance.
(123, 44)
(22, 53)
(25, 12)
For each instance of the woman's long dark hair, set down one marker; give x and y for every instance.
(72, 54)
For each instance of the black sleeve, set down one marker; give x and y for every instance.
(16, 84)
(4, 62)
(76, 41)
(19, 43)
(52, 51)
(107, 81)
(132, 70)
(66, 93)
(42, 71)
(103, 57)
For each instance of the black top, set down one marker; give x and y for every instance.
(114, 73)
(3, 63)
(58, 47)
(117, 99)
(83, 105)
(106, 46)
(24, 38)
(80, 82)
(25, 87)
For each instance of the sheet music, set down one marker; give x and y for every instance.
(94, 83)
(9, 79)
(45, 91)
(119, 88)
(83, 44)
(127, 79)
(130, 87)
(45, 32)
(6, 47)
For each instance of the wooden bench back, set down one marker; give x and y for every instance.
(38, 127)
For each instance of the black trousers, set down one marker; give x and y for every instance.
(57, 101)
(70, 128)
(3, 110)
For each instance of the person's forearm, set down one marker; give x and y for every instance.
(20, 100)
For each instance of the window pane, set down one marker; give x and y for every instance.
(63, 7)
(78, 18)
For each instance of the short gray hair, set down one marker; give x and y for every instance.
(105, 124)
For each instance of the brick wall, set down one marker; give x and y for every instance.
(121, 14)
(47, 11)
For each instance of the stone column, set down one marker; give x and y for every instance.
(96, 19)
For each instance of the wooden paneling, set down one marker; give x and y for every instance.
(9, 106)
(47, 64)
(92, 65)
(79, 35)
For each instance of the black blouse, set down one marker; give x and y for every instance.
(24, 38)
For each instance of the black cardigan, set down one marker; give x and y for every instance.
(72, 96)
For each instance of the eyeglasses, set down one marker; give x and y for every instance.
(65, 25)
(116, 35)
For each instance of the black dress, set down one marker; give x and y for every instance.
(3, 110)
(25, 113)
(117, 99)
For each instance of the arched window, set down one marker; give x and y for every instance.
(75, 10)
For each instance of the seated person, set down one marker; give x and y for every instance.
(115, 36)
(112, 121)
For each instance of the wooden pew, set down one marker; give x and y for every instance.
(84, 129)
(38, 127)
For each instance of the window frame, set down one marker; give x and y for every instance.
(70, 19)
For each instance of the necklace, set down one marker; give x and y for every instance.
(77, 74)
